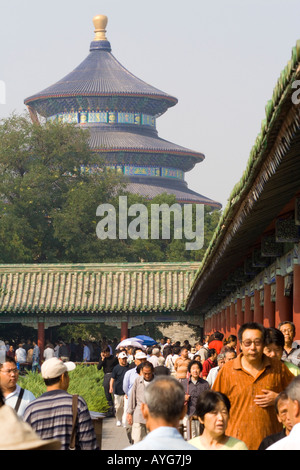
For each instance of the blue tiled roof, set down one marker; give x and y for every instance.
(110, 140)
(182, 193)
(100, 75)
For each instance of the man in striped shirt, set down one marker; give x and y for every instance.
(50, 415)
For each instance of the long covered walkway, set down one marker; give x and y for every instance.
(251, 270)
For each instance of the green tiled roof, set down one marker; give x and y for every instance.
(96, 288)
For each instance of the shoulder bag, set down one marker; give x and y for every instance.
(72, 445)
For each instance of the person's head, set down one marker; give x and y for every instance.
(195, 369)
(147, 371)
(198, 345)
(218, 336)
(139, 357)
(252, 337)
(106, 351)
(122, 358)
(293, 394)
(212, 354)
(163, 402)
(229, 354)
(156, 352)
(9, 375)
(281, 407)
(56, 373)
(288, 330)
(221, 360)
(184, 352)
(231, 341)
(212, 409)
(274, 343)
(161, 361)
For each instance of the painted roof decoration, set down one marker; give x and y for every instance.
(120, 112)
(94, 288)
(270, 180)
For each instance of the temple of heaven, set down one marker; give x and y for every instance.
(120, 111)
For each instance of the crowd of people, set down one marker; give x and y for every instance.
(27, 355)
(242, 393)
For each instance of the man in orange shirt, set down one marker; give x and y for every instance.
(251, 382)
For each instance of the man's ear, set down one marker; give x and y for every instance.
(296, 408)
(145, 411)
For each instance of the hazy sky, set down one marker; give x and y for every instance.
(220, 58)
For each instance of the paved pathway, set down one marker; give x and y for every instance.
(113, 437)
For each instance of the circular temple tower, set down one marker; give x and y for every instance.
(120, 111)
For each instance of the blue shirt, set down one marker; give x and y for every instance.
(128, 380)
(86, 354)
(163, 438)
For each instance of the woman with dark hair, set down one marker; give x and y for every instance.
(274, 347)
(212, 410)
(193, 385)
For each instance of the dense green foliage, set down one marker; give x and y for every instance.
(86, 381)
(48, 204)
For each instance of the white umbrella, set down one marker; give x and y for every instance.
(135, 342)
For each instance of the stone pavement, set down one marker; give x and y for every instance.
(113, 437)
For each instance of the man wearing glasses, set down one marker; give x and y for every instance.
(15, 396)
(291, 351)
(252, 381)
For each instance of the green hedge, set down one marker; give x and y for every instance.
(86, 381)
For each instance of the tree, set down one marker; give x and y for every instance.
(40, 167)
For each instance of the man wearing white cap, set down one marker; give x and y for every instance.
(51, 414)
(132, 373)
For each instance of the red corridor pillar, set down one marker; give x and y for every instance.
(258, 309)
(124, 330)
(269, 308)
(41, 338)
(283, 304)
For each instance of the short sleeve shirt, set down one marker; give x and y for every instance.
(118, 373)
(248, 421)
(293, 356)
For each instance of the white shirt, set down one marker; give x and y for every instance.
(12, 398)
(154, 360)
(212, 375)
(48, 353)
(290, 442)
(21, 355)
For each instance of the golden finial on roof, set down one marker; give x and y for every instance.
(100, 22)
